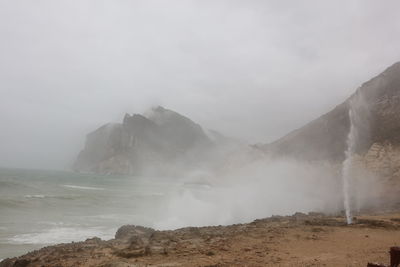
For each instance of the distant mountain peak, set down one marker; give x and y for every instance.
(159, 109)
(154, 141)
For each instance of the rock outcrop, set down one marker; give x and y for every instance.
(160, 141)
(383, 160)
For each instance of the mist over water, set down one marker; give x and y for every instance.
(252, 71)
(259, 189)
(237, 184)
(44, 207)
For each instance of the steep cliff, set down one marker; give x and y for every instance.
(377, 103)
(160, 141)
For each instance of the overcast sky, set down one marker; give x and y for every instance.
(249, 69)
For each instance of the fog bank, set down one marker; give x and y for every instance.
(252, 70)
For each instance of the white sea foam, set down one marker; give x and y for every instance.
(82, 187)
(59, 224)
(62, 235)
(152, 194)
(34, 196)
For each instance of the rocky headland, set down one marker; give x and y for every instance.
(159, 142)
(162, 140)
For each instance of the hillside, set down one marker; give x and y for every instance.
(378, 104)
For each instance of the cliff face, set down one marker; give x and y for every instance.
(377, 104)
(160, 141)
(163, 141)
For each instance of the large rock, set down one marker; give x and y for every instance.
(128, 231)
(384, 160)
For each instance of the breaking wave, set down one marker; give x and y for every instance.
(62, 235)
(82, 187)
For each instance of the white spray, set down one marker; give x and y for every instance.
(352, 139)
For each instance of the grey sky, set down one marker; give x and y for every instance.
(249, 69)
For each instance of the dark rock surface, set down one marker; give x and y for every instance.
(129, 231)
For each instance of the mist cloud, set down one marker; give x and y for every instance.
(250, 69)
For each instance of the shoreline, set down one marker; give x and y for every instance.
(297, 240)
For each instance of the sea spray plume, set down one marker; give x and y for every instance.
(358, 133)
(254, 190)
(347, 164)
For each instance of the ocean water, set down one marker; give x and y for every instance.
(40, 208)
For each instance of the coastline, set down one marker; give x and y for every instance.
(312, 239)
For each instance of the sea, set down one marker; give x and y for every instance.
(41, 207)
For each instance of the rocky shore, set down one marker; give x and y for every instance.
(300, 240)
